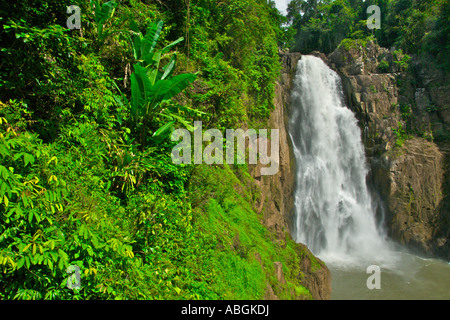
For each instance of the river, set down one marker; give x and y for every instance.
(412, 277)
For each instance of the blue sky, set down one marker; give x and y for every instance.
(282, 5)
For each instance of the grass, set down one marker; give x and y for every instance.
(245, 250)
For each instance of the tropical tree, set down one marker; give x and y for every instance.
(151, 84)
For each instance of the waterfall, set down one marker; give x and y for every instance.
(335, 214)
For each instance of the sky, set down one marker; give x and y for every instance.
(282, 5)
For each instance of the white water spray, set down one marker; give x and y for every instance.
(334, 210)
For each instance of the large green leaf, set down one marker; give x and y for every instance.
(141, 92)
(169, 67)
(168, 47)
(135, 41)
(145, 95)
(181, 120)
(144, 84)
(150, 39)
(107, 11)
(136, 45)
(135, 96)
(155, 62)
(163, 129)
(153, 33)
(103, 13)
(169, 88)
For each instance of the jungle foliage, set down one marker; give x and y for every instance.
(86, 177)
(413, 26)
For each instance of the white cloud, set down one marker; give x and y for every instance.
(282, 5)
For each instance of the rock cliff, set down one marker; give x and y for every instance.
(404, 117)
(276, 203)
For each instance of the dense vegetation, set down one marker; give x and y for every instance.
(86, 174)
(410, 25)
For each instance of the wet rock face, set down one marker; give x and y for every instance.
(412, 177)
(276, 203)
(411, 181)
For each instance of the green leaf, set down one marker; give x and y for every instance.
(90, 251)
(50, 264)
(135, 96)
(2, 191)
(183, 121)
(5, 173)
(26, 247)
(170, 67)
(95, 242)
(24, 200)
(10, 212)
(151, 38)
(136, 45)
(102, 14)
(18, 155)
(168, 47)
(54, 256)
(37, 217)
(135, 40)
(28, 158)
(20, 263)
(107, 10)
(4, 151)
(169, 88)
(61, 264)
(162, 129)
(154, 73)
(140, 91)
(192, 111)
(19, 212)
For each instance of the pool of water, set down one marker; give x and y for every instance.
(410, 277)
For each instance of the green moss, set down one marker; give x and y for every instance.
(299, 291)
(359, 44)
(241, 238)
(383, 66)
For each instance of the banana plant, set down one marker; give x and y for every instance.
(103, 13)
(151, 84)
(144, 45)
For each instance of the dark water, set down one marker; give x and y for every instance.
(411, 277)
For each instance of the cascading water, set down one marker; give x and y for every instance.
(335, 213)
(334, 209)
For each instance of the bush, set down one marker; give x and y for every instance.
(383, 66)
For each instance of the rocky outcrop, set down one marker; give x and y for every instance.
(431, 98)
(316, 276)
(372, 96)
(411, 180)
(276, 202)
(399, 113)
(277, 191)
